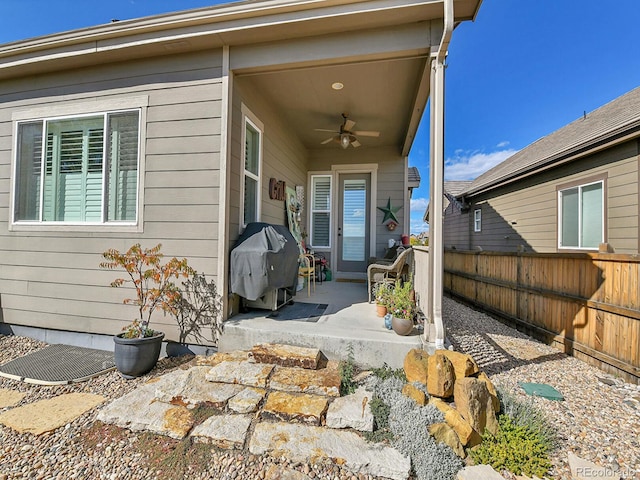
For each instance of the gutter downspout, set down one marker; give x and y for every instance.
(436, 247)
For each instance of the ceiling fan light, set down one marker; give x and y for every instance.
(344, 140)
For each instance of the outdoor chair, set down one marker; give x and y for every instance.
(307, 269)
(379, 272)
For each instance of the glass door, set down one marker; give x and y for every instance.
(353, 222)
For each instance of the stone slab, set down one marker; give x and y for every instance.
(295, 407)
(287, 355)
(303, 443)
(47, 415)
(242, 373)
(325, 381)
(223, 431)
(351, 411)
(247, 400)
(139, 410)
(190, 388)
(582, 469)
(219, 357)
(479, 472)
(10, 398)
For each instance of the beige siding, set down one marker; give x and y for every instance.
(456, 228)
(526, 213)
(51, 279)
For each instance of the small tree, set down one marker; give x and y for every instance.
(153, 282)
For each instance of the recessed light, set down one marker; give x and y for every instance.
(337, 86)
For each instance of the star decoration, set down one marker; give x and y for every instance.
(389, 212)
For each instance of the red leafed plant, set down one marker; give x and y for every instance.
(153, 282)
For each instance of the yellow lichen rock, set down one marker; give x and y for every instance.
(415, 366)
(415, 394)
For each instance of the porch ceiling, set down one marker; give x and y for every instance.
(377, 95)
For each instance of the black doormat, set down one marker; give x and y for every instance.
(58, 364)
(303, 312)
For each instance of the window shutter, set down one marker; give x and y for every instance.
(123, 166)
(321, 211)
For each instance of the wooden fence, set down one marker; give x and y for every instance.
(588, 305)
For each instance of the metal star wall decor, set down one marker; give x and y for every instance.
(389, 212)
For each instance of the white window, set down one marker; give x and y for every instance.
(477, 220)
(581, 216)
(76, 170)
(320, 234)
(251, 185)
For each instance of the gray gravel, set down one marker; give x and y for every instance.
(597, 421)
(85, 449)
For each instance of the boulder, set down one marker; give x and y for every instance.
(492, 391)
(440, 376)
(474, 403)
(467, 435)
(464, 365)
(415, 394)
(415, 366)
(443, 433)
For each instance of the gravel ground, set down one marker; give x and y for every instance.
(85, 449)
(597, 421)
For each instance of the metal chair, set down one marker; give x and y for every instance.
(378, 272)
(307, 269)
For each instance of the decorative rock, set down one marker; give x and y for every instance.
(46, 415)
(287, 355)
(492, 391)
(244, 373)
(296, 407)
(474, 404)
(219, 357)
(416, 366)
(464, 365)
(479, 472)
(441, 376)
(351, 411)
(301, 443)
(467, 436)
(325, 381)
(582, 469)
(223, 431)
(277, 472)
(414, 394)
(443, 433)
(189, 388)
(9, 398)
(247, 400)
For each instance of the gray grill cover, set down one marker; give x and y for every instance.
(264, 257)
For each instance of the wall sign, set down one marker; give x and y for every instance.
(277, 189)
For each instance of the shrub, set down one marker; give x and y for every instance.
(347, 370)
(527, 415)
(386, 371)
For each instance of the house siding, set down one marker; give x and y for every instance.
(526, 213)
(50, 277)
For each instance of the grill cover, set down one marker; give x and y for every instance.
(265, 257)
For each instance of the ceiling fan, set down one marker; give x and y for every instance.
(345, 136)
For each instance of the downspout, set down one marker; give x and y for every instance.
(436, 247)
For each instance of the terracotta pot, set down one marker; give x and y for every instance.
(402, 326)
(381, 310)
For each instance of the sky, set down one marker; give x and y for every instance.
(522, 70)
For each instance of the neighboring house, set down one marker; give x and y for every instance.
(177, 128)
(573, 190)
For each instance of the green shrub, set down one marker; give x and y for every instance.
(386, 371)
(347, 369)
(517, 448)
(527, 415)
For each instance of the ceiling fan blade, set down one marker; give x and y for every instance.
(324, 142)
(324, 130)
(365, 133)
(355, 144)
(348, 124)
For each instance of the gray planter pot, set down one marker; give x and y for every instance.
(136, 356)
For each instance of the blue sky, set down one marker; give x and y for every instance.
(522, 70)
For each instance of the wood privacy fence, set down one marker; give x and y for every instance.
(585, 304)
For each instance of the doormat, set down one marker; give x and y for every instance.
(58, 365)
(303, 312)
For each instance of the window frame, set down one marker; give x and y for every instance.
(579, 185)
(477, 220)
(248, 118)
(67, 111)
(328, 211)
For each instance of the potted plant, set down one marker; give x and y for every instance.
(402, 307)
(383, 298)
(137, 349)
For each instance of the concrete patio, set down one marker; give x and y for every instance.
(349, 320)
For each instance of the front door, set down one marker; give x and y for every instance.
(353, 222)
